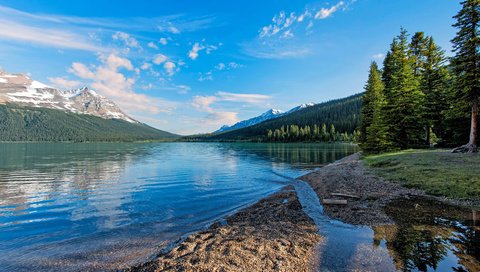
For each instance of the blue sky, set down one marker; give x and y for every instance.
(192, 66)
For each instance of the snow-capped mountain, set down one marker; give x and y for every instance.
(20, 89)
(270, 114)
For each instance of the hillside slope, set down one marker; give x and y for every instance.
(343, 113)
(19, 123)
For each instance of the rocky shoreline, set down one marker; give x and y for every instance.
(272, 235)
(275, 234)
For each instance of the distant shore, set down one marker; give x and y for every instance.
(275, 234)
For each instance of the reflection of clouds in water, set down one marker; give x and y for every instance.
(371, 258)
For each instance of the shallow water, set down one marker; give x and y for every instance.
(426, 235)
(100, 206)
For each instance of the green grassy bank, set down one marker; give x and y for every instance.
(437, 172)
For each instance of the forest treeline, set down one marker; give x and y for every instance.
(419, 97)
(41, 124)
(343, 114)
(315, 133)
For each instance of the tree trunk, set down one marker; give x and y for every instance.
(471, 147)
(427, 136)
(473, 125)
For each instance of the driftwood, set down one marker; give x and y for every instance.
(345, 195)
(334, 201)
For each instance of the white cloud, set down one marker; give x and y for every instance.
(221, 118)
(159, 59)
(221, 66)
(110, 82)
(81, 70)
(115, 62)
(169, 68)
(193, 53)
(127, 39)
(58, 38)
(287, 34)
(276, 50)
(202, 103)
(146, 66)
(63, 83)
(163, 41)
(379, 56)
(324, 13)
(152, 45)
(206, 76)
(197, 47)
(247, 98)
(284, 25)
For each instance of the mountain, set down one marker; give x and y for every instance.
(270, 114)
(32, 111)
(343, 113)
(21, 90)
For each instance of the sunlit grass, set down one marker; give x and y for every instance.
(438, 172)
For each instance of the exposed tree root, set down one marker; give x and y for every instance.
(468, 148)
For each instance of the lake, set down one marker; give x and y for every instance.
(110, 205)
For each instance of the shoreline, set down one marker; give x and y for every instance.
(275, 234)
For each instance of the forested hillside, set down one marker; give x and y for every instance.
(42, 124)
(343, 114)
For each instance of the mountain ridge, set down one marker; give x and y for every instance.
(268, 115)
(21, 90)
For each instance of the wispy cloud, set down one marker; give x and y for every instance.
(204, 103)
(63, 83)
(197, 47)
(284, 36)
(219, 68)
(128, 40)
(71, 32)
(11, 30)
(324, 13)
(248, 98)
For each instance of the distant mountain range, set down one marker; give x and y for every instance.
(23, 91)
(33, 111)
(343, 113)
(270, 114)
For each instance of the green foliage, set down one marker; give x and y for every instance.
(373, 129)
(343, 114)
(466, 62)
(41, 124)
(404, 106)
(294, 133)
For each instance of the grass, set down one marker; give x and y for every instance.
(437, 172)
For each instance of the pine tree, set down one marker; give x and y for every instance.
(373, 128)
(434, 84)
(466, 64)
(404, 98)
(373, 87)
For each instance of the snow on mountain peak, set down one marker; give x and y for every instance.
(270, 114)
(20, 89)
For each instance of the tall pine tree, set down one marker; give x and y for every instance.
(434, 84)
(404, 108)
(373, 129)
(466, 64)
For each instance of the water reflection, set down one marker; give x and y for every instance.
(110, 205)
(431, 235)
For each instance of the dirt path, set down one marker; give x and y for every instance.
(272, 235)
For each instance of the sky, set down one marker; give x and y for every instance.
(192, 66)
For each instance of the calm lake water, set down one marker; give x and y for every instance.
(109, 205)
